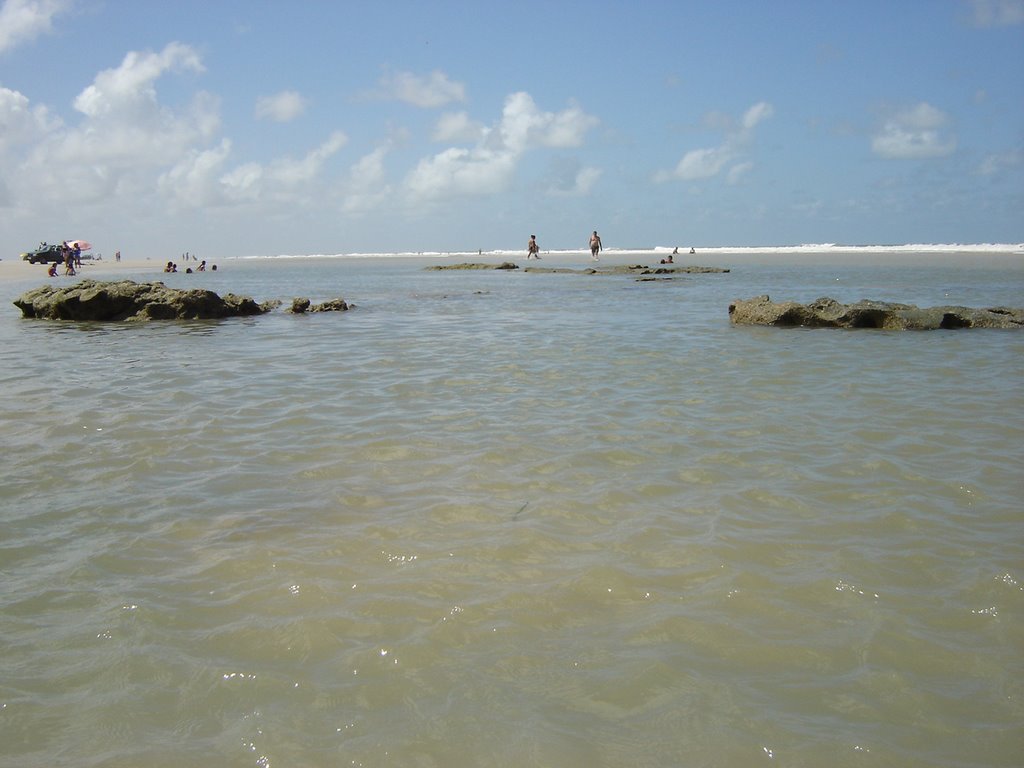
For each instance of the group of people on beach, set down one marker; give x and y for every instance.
(533, 250)
(70, 257)
(172, 267)
(72, 254)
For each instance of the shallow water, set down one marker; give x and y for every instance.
(510, 519)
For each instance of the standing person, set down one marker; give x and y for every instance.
(595, 245)
(532, 249)
(117, 256)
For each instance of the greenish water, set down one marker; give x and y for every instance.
(516, 520)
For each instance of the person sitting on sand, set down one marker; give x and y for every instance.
(691, 250)
(532, 249)
(52, 271)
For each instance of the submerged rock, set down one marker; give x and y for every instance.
(332, 305)
(128, 300)
(303, 305)
(473, 265)
(829, 313)
(632, 269)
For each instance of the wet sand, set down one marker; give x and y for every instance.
(17, 269)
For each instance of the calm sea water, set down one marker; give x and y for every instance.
(494, 519)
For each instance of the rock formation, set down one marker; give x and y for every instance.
(473, 265)
(300, 306)
(128, 300)
(829, 313)
(631, 269)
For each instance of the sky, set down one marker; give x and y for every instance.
(249, 127)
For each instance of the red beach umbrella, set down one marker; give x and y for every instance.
(82, 244)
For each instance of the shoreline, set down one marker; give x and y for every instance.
(16, 270)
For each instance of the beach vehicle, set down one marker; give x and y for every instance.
(44, 254)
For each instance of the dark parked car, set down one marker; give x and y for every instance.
(44, 254)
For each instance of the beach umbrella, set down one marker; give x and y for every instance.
(82, 244)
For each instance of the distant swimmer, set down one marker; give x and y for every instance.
(532, 249)
(691, 250)
(595, 245)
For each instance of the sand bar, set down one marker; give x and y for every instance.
(17, 269)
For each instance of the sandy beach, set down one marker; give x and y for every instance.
(969, 257)
(17, 269)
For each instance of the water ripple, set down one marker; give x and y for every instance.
(513, 520)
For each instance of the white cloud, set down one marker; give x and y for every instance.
(997, 13)
(295, 172)
(575, 182)
(456, 126)
(586, 179)
(281, 107)
(738, 171)
(124, 133)
(458, 171)
(757, 114)
(913, 133)
(996, 163)
(243, 183)
(433, 90)
(708, 162)
(19, 122)
(367, 187)
(22, 21)
(200, 178)
(524, 125)
(703, 163)
(130, 150)
(194, 180)
(128, 91)
(489, 166)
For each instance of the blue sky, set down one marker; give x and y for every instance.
(230, 127)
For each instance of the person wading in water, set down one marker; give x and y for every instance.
(532, 249)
